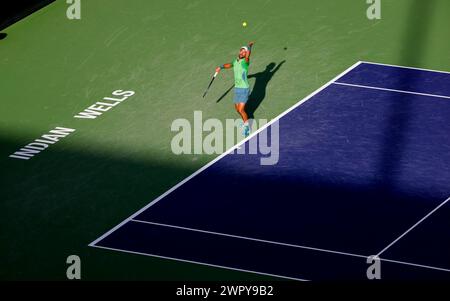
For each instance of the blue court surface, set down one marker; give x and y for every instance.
(364, 169)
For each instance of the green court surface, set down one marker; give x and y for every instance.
(52, 68)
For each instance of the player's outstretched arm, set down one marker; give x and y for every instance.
(224, 66)
(249, 52)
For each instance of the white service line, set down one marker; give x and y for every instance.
(224, 154)
(390, 90)
(414, 226)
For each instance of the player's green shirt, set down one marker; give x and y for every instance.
(240, 68)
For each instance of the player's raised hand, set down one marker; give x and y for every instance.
(218, 69)
(251, 44)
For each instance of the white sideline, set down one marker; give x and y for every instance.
(295, 246)
(405, 67)
(200, 263)
(390, 90)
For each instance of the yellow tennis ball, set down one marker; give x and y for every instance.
(244, 24)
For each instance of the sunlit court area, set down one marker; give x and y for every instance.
(214, 141)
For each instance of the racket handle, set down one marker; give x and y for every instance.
(215, 74)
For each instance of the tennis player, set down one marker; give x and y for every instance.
(241, 87)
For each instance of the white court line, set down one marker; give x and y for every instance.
(201, 263)
(93, 244)
(415, 265)
(414, 226)
(252, 239)
(405, 67)
(259, 240)
(297, 246)
(391, 90)
(224, 154)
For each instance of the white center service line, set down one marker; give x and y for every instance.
(415, 225)
(391, 90)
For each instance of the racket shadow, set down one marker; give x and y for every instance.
(224, 94)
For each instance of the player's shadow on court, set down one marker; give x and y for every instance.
(259, 89)
(3, 35)
(258, 93)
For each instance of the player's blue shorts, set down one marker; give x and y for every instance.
(241, 95)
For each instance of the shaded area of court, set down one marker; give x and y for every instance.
(327, 191)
